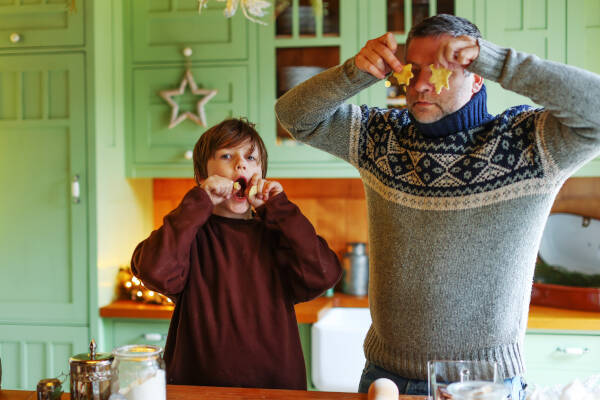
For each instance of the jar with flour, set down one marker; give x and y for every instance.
(138, 373)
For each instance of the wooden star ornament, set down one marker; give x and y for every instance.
(440, 78)
(404, 75)
(200, 116)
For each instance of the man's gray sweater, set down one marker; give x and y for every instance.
(455, 221)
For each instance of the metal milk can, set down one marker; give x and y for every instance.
(355, 264)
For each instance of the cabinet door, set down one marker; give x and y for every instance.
(160, 29)
(552, 358)
(33, 352)
(41, 23)
(158, 150)
(43, 226)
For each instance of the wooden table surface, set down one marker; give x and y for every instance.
(175, 392)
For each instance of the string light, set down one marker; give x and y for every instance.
(130, 287)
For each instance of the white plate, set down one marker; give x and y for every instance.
(572, 242)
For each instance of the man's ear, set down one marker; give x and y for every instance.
(477, 83)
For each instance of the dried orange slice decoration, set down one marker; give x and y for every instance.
(440, 78)
(404, 75)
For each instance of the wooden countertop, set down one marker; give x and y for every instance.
(175, 392)
(311, 311)
(306, 313)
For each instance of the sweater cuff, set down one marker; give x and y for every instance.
(274, 203)
(490, 62)
(357, 76)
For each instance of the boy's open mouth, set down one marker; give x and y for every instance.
(241, 193)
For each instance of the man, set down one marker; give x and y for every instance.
(457, 198)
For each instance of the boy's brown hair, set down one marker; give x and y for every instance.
(229, 133)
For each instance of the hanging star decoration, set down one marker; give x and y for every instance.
(200, 116)
(404, 75)
(439, 77)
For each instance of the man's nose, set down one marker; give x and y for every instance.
(421, 83)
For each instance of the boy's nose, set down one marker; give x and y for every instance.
(240, 164)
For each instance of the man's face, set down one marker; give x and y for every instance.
(423, 103)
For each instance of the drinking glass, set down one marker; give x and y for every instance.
(465, 380)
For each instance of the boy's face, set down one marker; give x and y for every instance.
(422, 101)
(238, 163)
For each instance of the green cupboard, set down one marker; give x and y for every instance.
(47, 176)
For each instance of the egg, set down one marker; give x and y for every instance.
(383, 389)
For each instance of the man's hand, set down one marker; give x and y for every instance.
(260, 190)
(457, 52)
(218, 188)
(378, 56)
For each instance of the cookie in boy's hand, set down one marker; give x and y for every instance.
(236, 186)
(439, 77)
(253, 191)
(404, 75)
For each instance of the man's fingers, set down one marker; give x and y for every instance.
(388, 56)
(364, 64)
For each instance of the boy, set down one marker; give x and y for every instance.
(235, 277)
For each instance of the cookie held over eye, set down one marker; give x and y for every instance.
(440, 78)
(404, 75)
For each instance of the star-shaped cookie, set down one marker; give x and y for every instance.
(404, 75)
(200, 116)
(439, 77)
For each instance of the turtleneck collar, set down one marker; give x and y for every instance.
(471, 115)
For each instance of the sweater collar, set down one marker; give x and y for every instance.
(471, 115)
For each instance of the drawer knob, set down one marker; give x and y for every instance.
(188, 155)
(573, 351)
(14, 37)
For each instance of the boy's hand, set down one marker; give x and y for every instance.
(259, 190)
(218, 188)
(457, 52)
(378, 56)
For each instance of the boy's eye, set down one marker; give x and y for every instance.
(225, 156)
(251, 157)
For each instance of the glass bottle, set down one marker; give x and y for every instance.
(138, 373)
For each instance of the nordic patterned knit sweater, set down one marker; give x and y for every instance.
(456, 208)
(235, 282)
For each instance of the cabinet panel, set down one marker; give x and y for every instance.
(43, 230)
(157, 146)
(32, 352)
(41, 23)
(551, 359)
(160, 29)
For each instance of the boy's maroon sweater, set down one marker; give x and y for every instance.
(235, 283)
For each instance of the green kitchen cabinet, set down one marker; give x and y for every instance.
(559, 357)
(162, 150)
(36, 23)
(44, 176)
(124, 331)
(160, 29)
(33, 352)
(223, 58)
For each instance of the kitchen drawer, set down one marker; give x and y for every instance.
(47, 23)
(160, 29)
(155, 149)
(553, 358)
(137, 331)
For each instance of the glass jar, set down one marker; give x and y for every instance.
(138, 373)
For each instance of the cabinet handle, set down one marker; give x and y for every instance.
(154, 337)
(572, 351)
(188, 155)
(75, 193)
(14, 37)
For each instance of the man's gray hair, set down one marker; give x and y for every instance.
(443, 24)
